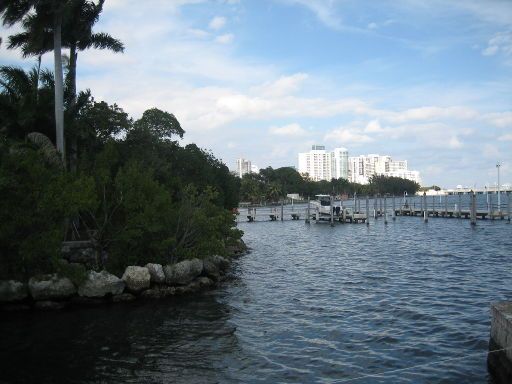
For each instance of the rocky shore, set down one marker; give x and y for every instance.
(152, 281)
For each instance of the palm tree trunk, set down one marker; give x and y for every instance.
(73, 160)
(59, 81)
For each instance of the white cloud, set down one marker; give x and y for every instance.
(500, 119)
(506, 137)
(285, 85)
(217, 23)
(347, 136)
(372, 26)
(325, 11)
(500, 42)
(454, 142)
(225, 39)
(288, 130)
(373, 127)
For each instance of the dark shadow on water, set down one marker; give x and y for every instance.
(134, 342)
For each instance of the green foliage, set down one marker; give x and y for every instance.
(160, 124)
(273, 184)
(36, 199)
(73, 271)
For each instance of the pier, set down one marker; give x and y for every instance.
(472, 206)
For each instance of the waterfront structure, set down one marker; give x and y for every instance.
(243, 167)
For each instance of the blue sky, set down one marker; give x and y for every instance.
(429, 82)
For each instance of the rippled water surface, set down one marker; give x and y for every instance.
(310, 303)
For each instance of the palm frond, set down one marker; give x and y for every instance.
(105, 41)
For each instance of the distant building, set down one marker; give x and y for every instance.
(339, 159)
(243, 167)
(363, 167)
(316, 164)
(319, 164)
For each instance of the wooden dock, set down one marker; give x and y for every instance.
(361, 209)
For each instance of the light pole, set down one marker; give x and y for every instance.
(498, 165)
(405, 197)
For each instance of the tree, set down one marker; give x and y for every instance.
(25, 102)
(77, 19)
(160, 124)
(49, 14)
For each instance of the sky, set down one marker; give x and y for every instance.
(424, 81)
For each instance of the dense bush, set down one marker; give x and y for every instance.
(36, 199)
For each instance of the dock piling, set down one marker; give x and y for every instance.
(425, 208)
(394, 211)
(332, 211)
(368, 210)
(460, 204)
(308, 213)
(375, 206)
(385, 211)
(473, 208)
(282, 209)
(508, 206)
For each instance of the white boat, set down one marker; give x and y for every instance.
(321, 205)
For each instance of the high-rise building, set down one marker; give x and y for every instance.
(319, 164)
(340, 163)
(243, 167)
(362, 168)
(316, 164)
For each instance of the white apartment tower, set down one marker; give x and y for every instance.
(340, 163)
(243, 167)
(319, 164)
(362, 168)
(316, 163)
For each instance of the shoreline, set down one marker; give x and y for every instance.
(153, 281)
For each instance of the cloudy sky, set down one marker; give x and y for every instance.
(425, 81)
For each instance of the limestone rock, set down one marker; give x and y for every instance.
(220, 262)
(11, 290)
(136, 278)
(99, 284)
(50, 287)
(183, 272)
(211, 270)
(205, 282)
(157, 273)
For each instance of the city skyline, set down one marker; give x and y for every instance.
(263, 80)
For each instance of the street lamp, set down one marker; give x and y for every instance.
(498, 165)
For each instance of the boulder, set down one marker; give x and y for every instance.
(11, 290)
(183, 272)
(211, 270)
(99, 284)
(220, 262)
(157, 273)
(204, 282)
(136, 278)
(51, 287)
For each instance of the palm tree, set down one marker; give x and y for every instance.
(78, 18)
(25, 99)
(49, 14)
